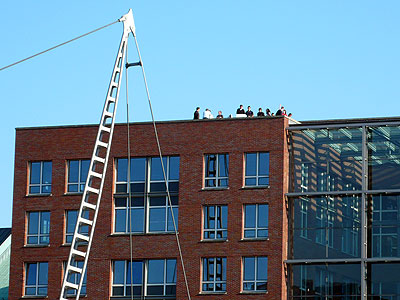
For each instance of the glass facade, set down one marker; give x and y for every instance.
(344, 212)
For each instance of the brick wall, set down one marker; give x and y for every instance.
(188, 139)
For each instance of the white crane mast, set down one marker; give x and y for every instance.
(88, 211)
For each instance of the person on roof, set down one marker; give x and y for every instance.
(260, 113)
(240, 110)
(220, 116)
(196, 115)
(249, 112)
(207, 114)
(268, 112)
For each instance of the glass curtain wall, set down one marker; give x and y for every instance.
(344, 212)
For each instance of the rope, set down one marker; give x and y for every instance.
(59, 45)
(129, 216)
(163, 169)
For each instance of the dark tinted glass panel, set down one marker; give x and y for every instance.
(157, 187)
(249, 268)
(138, 169)
(251, 164)
(118, 291)
(84, 169)
(31, 270)
(263, 164)
(156, 271)
(121, 188)
(170, 290)
(73, 171)
(173, 186)
(33, 226)
(122, 169)
(174, 168)
(156, 168)
(155, 290)
(384, 157)
(35, 173)
(332, 156)
(120, 202)
(223, 161)
(137, 272)
(381, 284)
(157, 201)
(137, 187)
(210, 165)
(326, 280)
(46, 172)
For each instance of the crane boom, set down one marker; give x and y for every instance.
(86, 220)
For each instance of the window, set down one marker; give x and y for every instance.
(36, 279)
(255, 221)
(216, 170)
(40, 177)
(215, 222)
(71, 216)
(77, 174)
(38, 228)
(255, 274)
(257, 169)
(214, 274)
(154, 277)
(75, 278)
(149, 209)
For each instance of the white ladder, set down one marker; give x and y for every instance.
(87, 216)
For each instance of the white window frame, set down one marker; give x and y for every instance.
(147, 195)
(41, 185)
(217, 177)
(257, 227)
(144, 285)
(71, 234)
(257, 176)
(37, 286)
(80, 181)
(214, 282)
(216, 230)
(76, 278)
(256, 280)
(39, 235)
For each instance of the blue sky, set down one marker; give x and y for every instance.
(320, 59)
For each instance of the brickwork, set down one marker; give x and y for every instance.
(188, 139)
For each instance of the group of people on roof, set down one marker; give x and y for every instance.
(240, 112)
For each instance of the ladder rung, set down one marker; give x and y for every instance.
(62, 298)
(78, 253)
(71, 285)
(114, 84)
(105, 128)
(99, 159)
(108, 114)
(75, 269)
(85, 221)
(102, 144)
(92, 190)
(89, 205)
(111, 99)
(82, 237)
(95, 174)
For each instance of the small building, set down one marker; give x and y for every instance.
(5, 252)
(265, 209)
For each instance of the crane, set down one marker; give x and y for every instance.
(91, 196)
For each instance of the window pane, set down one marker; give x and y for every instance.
(170, 221)
(46, 172)
(71, 220)
(262, 215)
(155, 290)
(45, 222)
(251, 164)
(249, 270)
(138, 169)
(137, 272)
(262, 263)
(250, 216)
(249, 233)
(122, 169)
(174, 168)
(137, 220)
(35, 173)
(157, 219)
(84, 169)
(156, 271)
(250, 181)
(73, 171)
(223, 161)
(33, 226)
(224, 215)
(263, 164)
(120, 220)
(171, 270)
(31, 274)
(43, 271)
(156, 168)
(118, 272)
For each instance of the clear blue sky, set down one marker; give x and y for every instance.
(321, 59)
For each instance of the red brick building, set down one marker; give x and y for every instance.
(230, 207)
